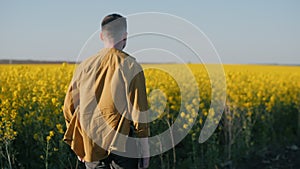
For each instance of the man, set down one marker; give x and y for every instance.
(106, 102)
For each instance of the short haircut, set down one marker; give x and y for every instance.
(114, 26)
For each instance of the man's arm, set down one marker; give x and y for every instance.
(138, 99)
(71, 102)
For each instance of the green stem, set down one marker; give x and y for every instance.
(173, 144)
(8, 155)
(46, 159)
(194, 153)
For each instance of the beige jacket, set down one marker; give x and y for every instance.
(106, 95)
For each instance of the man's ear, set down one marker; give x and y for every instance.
(124, 36)
(101, 36)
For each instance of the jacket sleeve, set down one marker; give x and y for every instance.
(138, 99)
(71, 102)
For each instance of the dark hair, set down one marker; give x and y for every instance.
(112, 17)
(114, 25)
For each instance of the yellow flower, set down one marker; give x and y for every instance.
(211, 112)
(182, 114)
(169, 116)
(205, 113)
(54, 100)
(34, 99)
(36, 136)
(200, 121)
(59, 128)
(51, 133)
(185, 126)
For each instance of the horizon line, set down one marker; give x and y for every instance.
(33, 61)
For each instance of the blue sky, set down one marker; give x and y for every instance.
(241, 31)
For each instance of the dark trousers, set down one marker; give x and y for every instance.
(114, 161)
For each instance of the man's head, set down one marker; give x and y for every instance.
(114, 31)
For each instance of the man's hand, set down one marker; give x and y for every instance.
(80, 159)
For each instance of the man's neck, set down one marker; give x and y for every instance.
(118, 46)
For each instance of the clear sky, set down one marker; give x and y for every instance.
(253, 31)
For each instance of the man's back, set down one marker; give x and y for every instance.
(102, 94)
